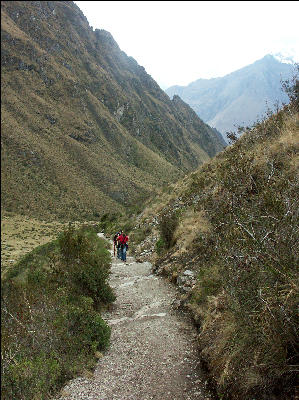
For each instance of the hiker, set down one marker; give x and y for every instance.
(124, 246)
(118, 245)
(115, 243)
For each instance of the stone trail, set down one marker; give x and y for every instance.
(153, 352)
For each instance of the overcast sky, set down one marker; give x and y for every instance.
(179, 42)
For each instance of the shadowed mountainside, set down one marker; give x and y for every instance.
(84, 128)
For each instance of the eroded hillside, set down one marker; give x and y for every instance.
(84, 128)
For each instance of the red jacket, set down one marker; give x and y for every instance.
(123, 239)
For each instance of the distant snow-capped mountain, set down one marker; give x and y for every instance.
(241, 97)
(285, 57)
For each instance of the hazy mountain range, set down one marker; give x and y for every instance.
(85, 129)
(239, 98)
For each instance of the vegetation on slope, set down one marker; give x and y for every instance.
(85, 130)
(236, 225)
(50, 308)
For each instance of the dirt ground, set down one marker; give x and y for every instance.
(153, 352)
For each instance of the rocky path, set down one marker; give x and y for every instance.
(153, 347)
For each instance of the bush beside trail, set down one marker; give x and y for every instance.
(51, 322)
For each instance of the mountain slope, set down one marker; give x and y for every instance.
(238, 98)
(227, 235)
(84, 128)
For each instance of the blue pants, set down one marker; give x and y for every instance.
(118, 252)
(124, 253)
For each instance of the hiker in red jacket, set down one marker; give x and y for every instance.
(123, 239)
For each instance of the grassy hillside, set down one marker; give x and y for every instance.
(84, 128)
(234, 223)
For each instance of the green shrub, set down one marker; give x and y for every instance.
(51, 325)
(110, 223)
(210, 283)
(167, 227)
(139, 234)
(160, 246)
(24, 377)
(86, 265)
(80, 325)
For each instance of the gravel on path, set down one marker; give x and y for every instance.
(153, 352)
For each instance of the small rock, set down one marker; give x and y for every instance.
(188, 272)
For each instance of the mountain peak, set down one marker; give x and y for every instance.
(268, 59)
(282, 57)
(106, 37)
(241, 97)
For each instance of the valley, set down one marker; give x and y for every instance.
(206, 306)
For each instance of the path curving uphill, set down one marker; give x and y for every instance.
(153, 352)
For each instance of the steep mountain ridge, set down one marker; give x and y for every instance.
(239, 98)
(84, 128)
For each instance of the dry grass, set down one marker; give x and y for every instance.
(290, 134)
(192, 224)
(21, 234)
(287, 142)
